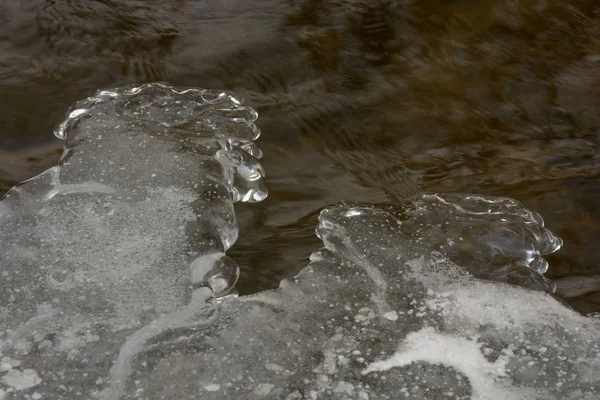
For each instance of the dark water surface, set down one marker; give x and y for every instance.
(358, 100)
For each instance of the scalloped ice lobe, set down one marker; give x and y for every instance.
(493, 238)
(126, 236)
(130, 141)
(118, 139)
(206, 122)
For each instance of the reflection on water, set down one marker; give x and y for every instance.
(360, 100)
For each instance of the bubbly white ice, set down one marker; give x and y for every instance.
(110, 263)
(108, 244)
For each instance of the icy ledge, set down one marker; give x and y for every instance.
(376, 316)
(111, 261)
(125, 237)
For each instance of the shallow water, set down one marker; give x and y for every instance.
(365, 101)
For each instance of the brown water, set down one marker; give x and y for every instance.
(358, 100)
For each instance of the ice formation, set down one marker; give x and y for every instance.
(377, 316)
(136, 217)
(110, 263)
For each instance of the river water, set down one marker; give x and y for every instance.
(369, 101)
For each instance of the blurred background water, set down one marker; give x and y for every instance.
(358, 100)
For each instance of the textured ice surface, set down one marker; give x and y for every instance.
(136, 216)
(109, 264)
(374, 316)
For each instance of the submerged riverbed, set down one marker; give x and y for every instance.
(365, 101)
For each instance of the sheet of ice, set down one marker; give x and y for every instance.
(374, 316)
(110, 262)
(111, 243)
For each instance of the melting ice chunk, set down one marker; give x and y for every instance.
(377, 316)
(99, 294)
(100, 248)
